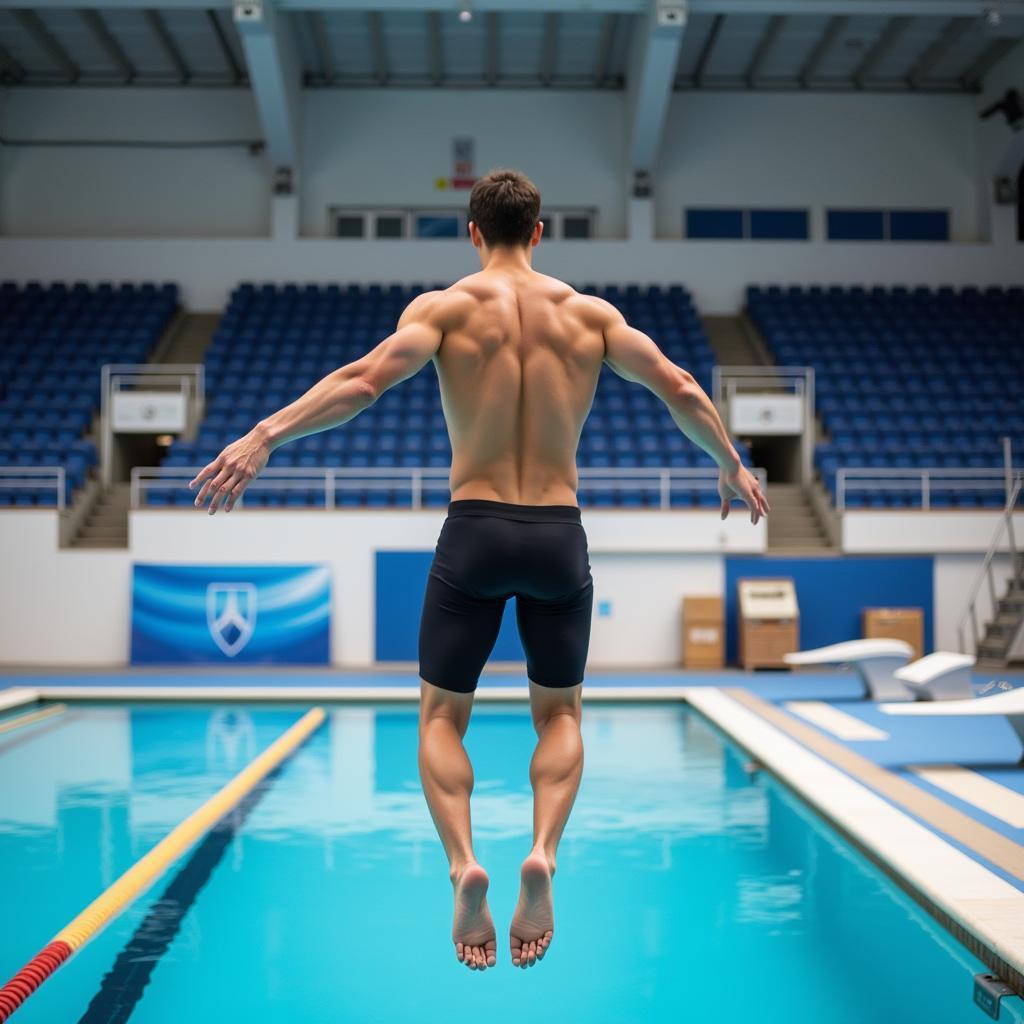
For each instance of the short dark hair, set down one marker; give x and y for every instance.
(505, 206)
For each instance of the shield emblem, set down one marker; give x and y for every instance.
(231, 615)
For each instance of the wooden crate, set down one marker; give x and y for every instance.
(703, 632)
(895, 624)
(769, 622)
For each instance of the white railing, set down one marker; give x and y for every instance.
(34, 477)
(418, 479)
(985, 574)
(922, 481)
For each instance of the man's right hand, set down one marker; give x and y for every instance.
(742, 484)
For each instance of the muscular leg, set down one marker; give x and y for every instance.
(447, 778)
(555, 775)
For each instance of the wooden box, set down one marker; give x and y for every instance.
(895, 624)
(703, 632)
(769, 622)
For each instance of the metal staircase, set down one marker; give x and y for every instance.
(994, 636)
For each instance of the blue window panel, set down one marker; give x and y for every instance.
(856, 225)
(779, 224)
(714, 223)
(429, 226)
(919, 225)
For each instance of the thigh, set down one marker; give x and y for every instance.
(457, 635)
(556, 636)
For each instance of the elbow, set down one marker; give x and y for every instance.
(364, 391)
(685, 390)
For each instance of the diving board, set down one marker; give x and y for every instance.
(875, 661)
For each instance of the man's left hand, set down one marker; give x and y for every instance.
(230, 473)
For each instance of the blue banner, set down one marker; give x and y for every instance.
(231, 614)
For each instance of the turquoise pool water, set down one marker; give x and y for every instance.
(686, 891)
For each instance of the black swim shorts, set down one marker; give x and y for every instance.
(489, 551)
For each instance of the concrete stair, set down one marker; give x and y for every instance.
(793, 524)
(106, 524)
(996, 643)
(735, 341)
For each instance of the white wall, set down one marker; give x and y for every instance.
(904, 533)
(73, 607)
(806, 150)
(71, 192)
(389, 147)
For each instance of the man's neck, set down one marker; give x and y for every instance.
(509, 259)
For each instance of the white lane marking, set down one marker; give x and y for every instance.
(987, 795)
(832, 720)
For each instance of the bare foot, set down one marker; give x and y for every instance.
(533, 923)
(473, 929)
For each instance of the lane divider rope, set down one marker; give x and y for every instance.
(10, 724)
(70, 939)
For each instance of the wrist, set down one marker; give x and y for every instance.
(731, 464)
(265, 432)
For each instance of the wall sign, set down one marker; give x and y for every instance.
(237, 613)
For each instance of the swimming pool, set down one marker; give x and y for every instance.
(686, 888)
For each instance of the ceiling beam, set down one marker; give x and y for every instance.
(492, 52)
(10, 69)
(436, 47)
(937, 50)
(890, 8)
(275, 77)
(33, 25)
(167, 45)
(775, 25)
(886, 40)
(706, 51)
(380, 53)
(609, 25)
(652, 72)
(225, 47)
(833, 30)
(105, 40)
(549, 48)
(974, 77)
(322, 45)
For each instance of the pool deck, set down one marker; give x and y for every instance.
(938, 803)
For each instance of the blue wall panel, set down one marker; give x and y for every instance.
(401, 582)
(832, 592)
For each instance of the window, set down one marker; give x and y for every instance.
(856, 225)
(575, 225)
(437, 225)
(779, 225)
(389, 225)
(729, 222)
(919, 225)
(703, 222)
(888, 225)
(349, 225)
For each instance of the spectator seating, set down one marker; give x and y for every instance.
(53, 342)
(905, 378)
(274, 342)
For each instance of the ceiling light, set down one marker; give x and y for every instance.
(465, 14)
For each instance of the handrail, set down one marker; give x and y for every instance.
(918, 478)
(420, 478)
(18, 482)
(985, 572)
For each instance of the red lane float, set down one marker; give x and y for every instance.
(31, 976)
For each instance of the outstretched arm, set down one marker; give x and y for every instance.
(634, 356)
(334, 400)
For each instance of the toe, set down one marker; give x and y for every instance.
(459, 952)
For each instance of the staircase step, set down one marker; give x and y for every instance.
(101, 542)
